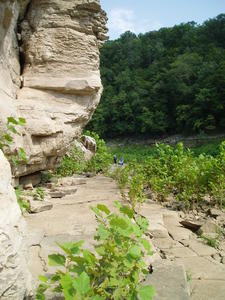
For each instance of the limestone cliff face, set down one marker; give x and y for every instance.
(49, 60)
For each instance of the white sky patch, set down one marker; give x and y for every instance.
(121, 20)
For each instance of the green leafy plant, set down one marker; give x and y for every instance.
(23, 204)
(46, 177)
(118, 269)
(102, 159)
(188, 276)
(210, 241)
(39, 194)
(178, 172)
(6, 138)
(74, 162)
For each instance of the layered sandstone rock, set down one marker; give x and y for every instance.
(49, 74)
(14, 276)
(55, 46)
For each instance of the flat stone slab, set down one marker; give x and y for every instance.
(158, 231)
(169, 282)
(202, 268)
(57, 194)
(179, 252)
(72, 181)
(201, 249)
(166, 243)
(175, 229)
(179, 233)
(207, 289)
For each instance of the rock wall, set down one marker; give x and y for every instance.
(49, 74)
(15, 280)
(49, 54)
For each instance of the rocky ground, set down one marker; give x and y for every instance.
(184, 265)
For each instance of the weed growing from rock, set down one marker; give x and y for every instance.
(116, 271)
(6, 139)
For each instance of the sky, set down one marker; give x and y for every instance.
(140, 16)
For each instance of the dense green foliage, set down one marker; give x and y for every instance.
(117, 269)
(74, 162)
(178, 172)
(140, 152)
(165, 81)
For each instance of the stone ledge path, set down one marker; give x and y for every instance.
(183, 267)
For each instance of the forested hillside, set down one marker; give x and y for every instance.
(164, 82)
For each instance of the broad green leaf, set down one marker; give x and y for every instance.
(82, 283)
(127, 211)
(142, 222)
(22, 154)
(42, 278)
(40, 291)
(103, 208)
(146, 292)
(14, 160)
(119, 222)
(55, 278)
(135, 251)
(56, 260)
(89, 257)
(8, 138)
(67, 287)
(100, 250)
(12, 128)
(103, 232)
(22, 121)
(12, 120)
(113, 282)
(96, 211)
(71, 248)
(146, 245)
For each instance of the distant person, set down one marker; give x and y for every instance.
(115, 159)
(121, 162)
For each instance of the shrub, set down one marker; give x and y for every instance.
(74, 162)
(177, 171)
(118, 269)
(102, 159)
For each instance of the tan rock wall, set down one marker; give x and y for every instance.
(49, 74)
(60, 84)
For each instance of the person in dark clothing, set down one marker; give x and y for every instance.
(115, 159)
